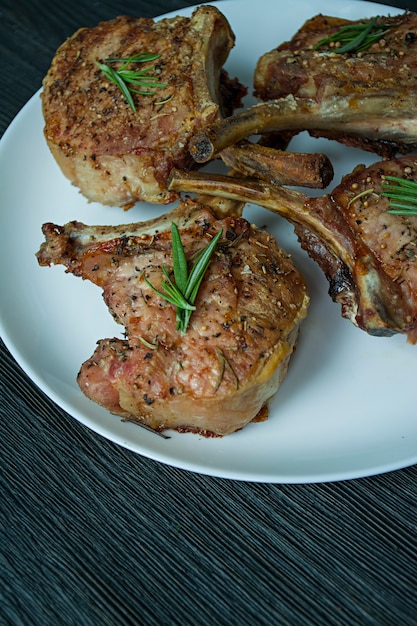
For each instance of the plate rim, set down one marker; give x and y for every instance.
(196, 468)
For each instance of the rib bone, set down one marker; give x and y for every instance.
(279, 167)
(379, 116)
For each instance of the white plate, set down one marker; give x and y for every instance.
(347, 406)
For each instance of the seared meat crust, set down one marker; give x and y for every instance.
(117, 156)
(235, 353)
(390, 240)
(387, 68)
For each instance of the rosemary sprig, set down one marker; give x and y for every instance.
(355, 37)
(124, 78)
(402, 195)
(183, 292)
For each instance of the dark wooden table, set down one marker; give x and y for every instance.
(93, 534)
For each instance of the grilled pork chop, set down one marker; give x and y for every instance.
(117, 155)
(365, 99)
(368, 255)
(216, 377)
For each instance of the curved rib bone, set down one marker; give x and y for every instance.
(367, 255)
(383, 118)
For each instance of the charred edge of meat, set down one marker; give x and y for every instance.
(231, 92)
(376, 319)
(279, 167)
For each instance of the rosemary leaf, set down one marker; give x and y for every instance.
(124, 78)
(360, 195)
(199, 269)
(172, 295)
(222, 368)
(183, 292)
(179, 260)
(114, 77)
(359, 40)
(148, 344)
(355, 37)
(402, 195)
(140, 57)
(223, 363)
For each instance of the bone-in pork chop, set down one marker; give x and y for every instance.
(217, 376)
(368, 254)
(365, 99)
(117, 155)
(380, 76)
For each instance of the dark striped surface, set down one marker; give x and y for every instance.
(92, 534)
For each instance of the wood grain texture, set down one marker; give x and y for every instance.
(92, 534)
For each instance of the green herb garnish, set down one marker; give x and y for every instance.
(128, 79)
(182, 292)
(402, 195)
(223, 363)
(355, 37)
(359, 195)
